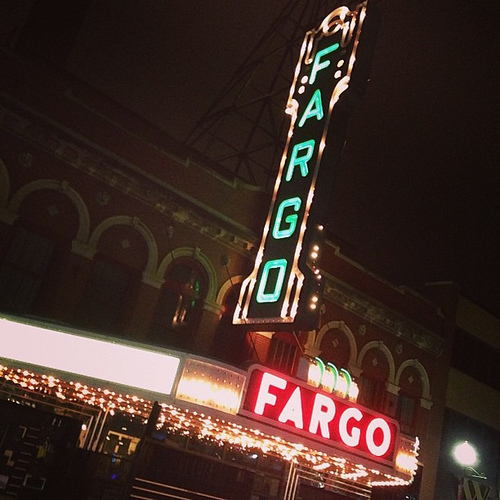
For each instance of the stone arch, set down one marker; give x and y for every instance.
(201, 258)
(226, 286)
(378, 344)
(415, 363)
(340, 325)
(63, 187)
(4, 184)
(135, 222)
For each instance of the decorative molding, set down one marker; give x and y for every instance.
(126, 177)
(426, 403)
(392, 388)
(152, 280)
(212, 307)
(140, 227)
(226, 286)
(63, 187)
(8, 216)
(380, 346)
(201, 258)
(380, 315)
(424, 376)
(341, 326)
(83, 249)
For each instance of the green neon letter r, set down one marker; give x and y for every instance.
(295, 159)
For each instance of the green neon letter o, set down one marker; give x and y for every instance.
(262, 296)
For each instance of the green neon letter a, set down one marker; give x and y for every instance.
(301, 161)
(314, 108)
(262, 296)
(290, 219)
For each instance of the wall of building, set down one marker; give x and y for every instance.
(472, 403)
(109, 207)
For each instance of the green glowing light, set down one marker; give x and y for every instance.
(262, 296)
(348, 378)
(291, 220)
(335, 372)
(317, 65)
(301, 161)
(321, 365)
(314, 108)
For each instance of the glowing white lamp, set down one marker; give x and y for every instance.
(465, 454)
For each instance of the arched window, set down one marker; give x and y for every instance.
(372, 383)
(111, 288)
(372, 392)
(411, 390)
(24, 271)
(180, 304)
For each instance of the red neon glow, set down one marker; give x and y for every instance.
(291, 404)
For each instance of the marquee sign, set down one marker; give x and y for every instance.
(285, 284)
(296, 407)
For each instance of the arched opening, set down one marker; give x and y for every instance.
(408, 400)
(375, 362)
(34, 252)
(179, 307)
(110, 289)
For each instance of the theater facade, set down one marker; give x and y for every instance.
(170, 331)
(311, 429)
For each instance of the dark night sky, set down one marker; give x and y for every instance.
(417, 196)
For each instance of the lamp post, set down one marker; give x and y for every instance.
(466, 457)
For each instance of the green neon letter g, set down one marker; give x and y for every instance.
(291, 220)
(262, 296)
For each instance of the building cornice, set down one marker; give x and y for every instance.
(382, 316)
(126, 177)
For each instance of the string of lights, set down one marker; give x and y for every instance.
(200, 425)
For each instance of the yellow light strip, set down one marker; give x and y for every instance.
(211, 384)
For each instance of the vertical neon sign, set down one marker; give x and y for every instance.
(285, 283)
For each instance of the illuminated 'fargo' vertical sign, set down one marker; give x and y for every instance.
(284, 285)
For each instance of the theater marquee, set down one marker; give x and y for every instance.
(294, 406)
(285, 284)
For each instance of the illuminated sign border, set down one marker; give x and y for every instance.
(273, 291)
(326, 410)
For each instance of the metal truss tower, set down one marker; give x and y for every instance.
(244, 130)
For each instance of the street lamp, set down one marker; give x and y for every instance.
(466, 457)
(465, 454)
